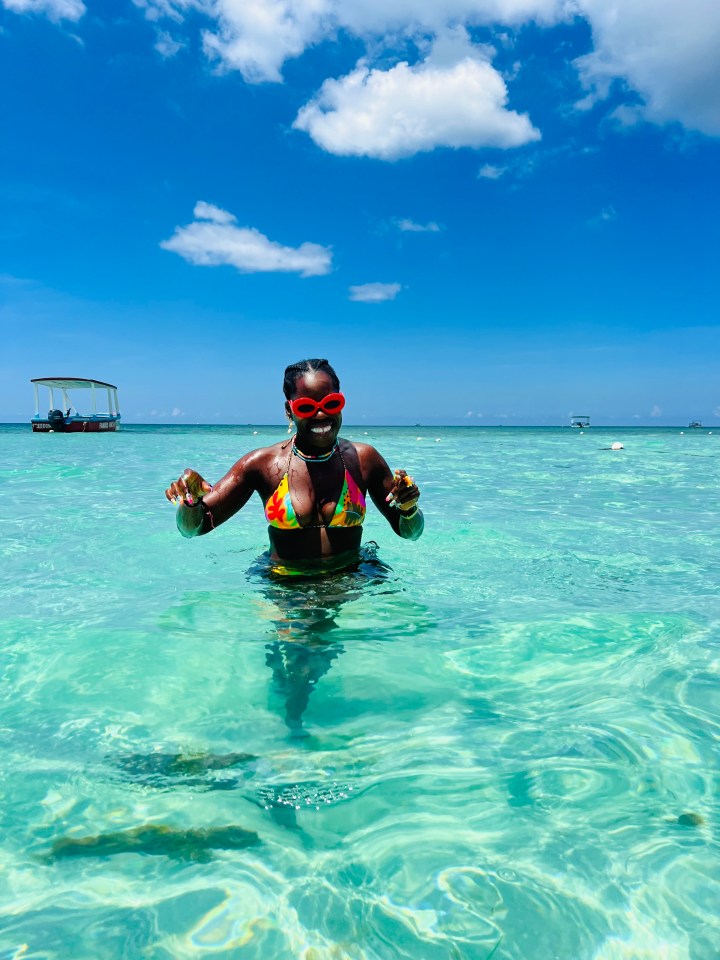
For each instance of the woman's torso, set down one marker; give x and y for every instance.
(314, 510)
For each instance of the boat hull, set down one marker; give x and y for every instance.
(74, 425)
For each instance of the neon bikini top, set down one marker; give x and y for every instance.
(350, 510)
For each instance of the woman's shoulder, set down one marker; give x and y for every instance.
(262, 458)
(348, 446)
(368, 457)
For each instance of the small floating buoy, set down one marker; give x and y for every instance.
(616, 446)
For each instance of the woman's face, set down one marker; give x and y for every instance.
(320, 431)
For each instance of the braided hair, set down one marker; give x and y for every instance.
(296, 370)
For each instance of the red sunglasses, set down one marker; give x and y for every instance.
(305, 407)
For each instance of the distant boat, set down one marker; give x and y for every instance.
(579, 421)
(695, 424)
(64, 420)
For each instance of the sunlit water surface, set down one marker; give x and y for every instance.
(500, 741)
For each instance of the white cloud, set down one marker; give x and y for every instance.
(374, 292)
(257, 37)
(166, 45)
(389, 114)
(174, 9)
(409, 226)
(54, 9)
(214, 241)
(490, 172)
(625, 115)
(664, 50)
(177, 412)
(716, 412)
(208, 211)
(656, 411)
(382, 16)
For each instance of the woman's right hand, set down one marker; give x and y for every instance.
(188, 489)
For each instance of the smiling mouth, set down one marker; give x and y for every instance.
(321, 428)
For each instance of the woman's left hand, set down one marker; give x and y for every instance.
(404, 493)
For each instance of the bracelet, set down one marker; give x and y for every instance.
(410, 513)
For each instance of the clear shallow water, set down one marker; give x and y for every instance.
(500, 741)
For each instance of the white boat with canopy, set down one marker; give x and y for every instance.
(67, 418)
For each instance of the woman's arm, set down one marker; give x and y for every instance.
(395, 495)
(202, 507)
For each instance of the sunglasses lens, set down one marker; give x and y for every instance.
(332, 406)
(304, 409)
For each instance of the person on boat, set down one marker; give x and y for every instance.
(313, 485)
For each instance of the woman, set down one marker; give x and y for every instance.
(313, 485)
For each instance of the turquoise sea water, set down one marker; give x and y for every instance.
(500, 741)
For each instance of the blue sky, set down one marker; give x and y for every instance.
(481, 211)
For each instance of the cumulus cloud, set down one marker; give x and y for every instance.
(215, 240)
(664, 50)
(656, 411)
(409, 226)
(716, 412)
(374, 292)
(395, 113)
(54, 9)
(257, 38)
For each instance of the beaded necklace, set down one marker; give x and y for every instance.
(310, 458)
(321, 458)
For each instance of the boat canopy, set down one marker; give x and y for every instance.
(68, 383)
(63, 384)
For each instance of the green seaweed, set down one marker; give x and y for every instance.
(156, 840)
(164, 770)
(690, 820)
(179, 764)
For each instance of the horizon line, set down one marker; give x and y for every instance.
(407, 426)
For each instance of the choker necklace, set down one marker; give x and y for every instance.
(309, 458)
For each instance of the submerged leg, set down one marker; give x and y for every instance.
(296, 669)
